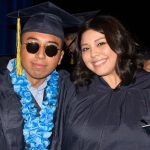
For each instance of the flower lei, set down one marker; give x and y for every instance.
(37, 129)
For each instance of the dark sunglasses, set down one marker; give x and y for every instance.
(33, 47)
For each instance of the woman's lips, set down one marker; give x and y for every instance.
(99, 62)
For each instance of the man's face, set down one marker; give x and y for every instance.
(38, 65)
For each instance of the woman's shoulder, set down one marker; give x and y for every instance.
(142, 73)
(142, 79)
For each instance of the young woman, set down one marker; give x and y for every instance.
(110, 106)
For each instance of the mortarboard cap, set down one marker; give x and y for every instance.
(83, 16)
(44, 18)
(87, 15)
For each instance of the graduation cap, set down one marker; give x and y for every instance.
(83, 16)
(87, 15)
(44, 18)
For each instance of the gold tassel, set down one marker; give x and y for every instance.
(18, 45)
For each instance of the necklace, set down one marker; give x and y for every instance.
(37, 129)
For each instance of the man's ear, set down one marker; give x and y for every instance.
(61, 57)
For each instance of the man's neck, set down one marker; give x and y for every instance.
(36, 82)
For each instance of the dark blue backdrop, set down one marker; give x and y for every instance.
(7, 30)
(135, 18)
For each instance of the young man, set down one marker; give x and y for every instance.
(30, 88)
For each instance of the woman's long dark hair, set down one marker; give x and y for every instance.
(119, 40)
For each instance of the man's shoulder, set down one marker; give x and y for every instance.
(4, 73)
(64, 79)
(5, 80)
(63, 73)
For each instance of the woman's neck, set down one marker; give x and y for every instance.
(112, 80)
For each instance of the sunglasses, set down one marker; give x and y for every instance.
(33, 47)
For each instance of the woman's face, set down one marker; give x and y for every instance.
(96, 53)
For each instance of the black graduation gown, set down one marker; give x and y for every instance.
(99, 118)
(11, 120)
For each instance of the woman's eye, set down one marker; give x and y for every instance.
(101, 43)
(84, 49)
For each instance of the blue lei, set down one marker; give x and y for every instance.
(37, 129)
